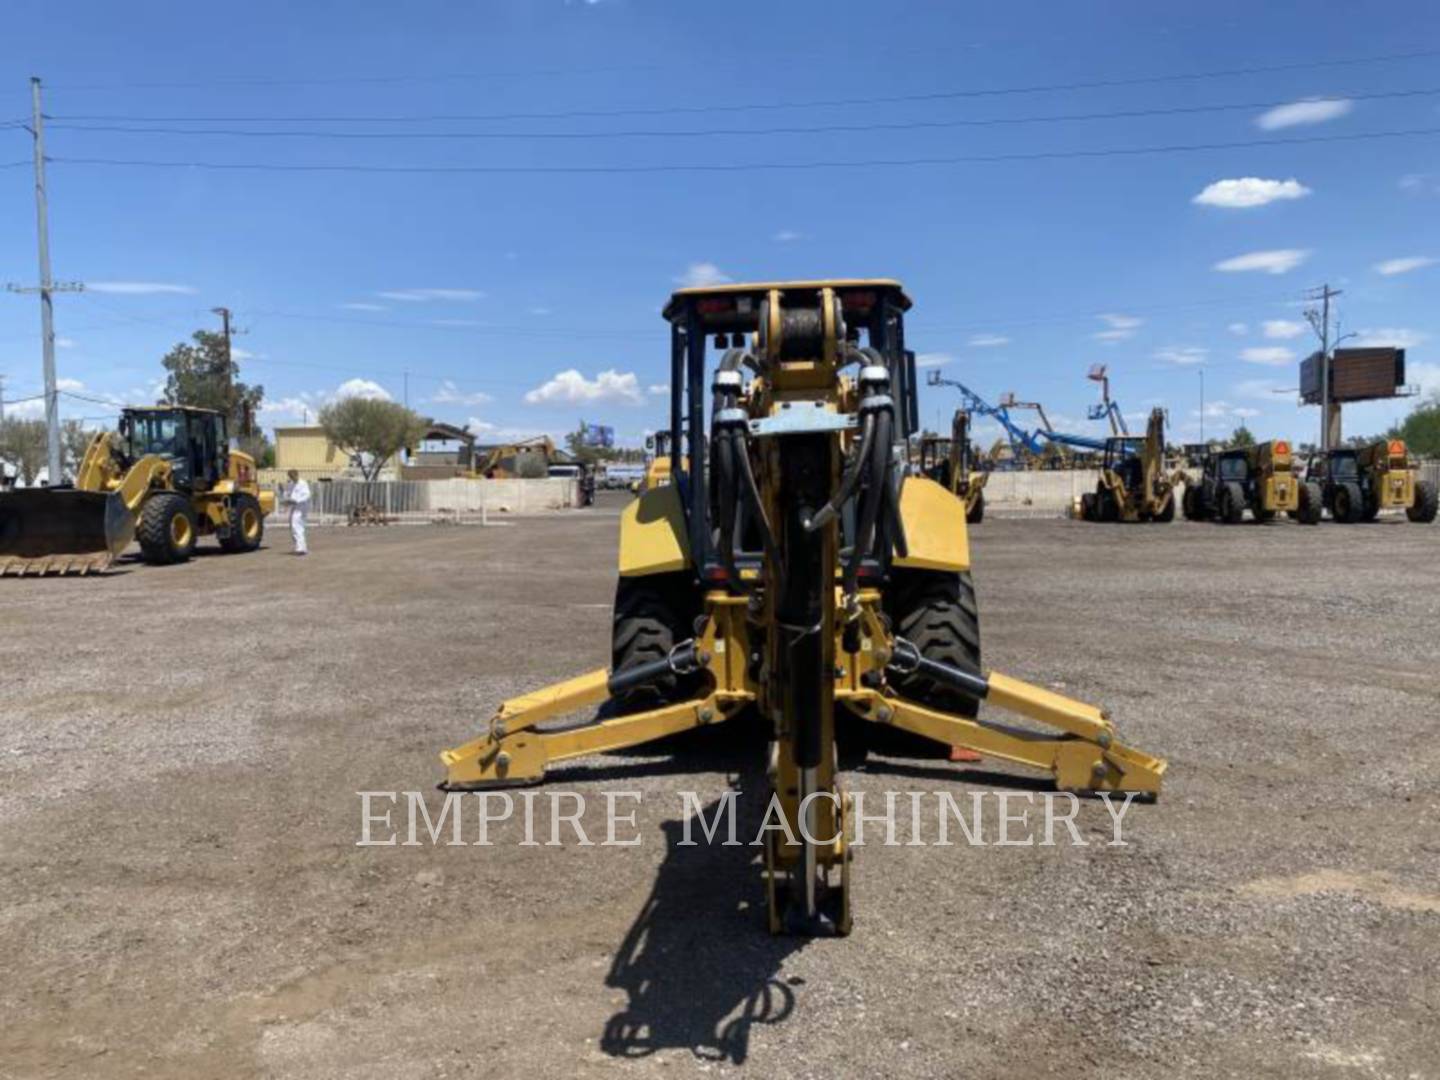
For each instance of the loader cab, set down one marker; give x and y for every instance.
(194, 441)
(1232, 466)
(1122, 457)
(713, 323)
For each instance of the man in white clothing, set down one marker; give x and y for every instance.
(297, 498)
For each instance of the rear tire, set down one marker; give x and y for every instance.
(937, 613)
(247, 525)
(167, 529)
(1087, 507)
(1187, 503)
(1312, 502)
(652, 615)
(1349, 503)
(1427, 502)
(1232, 503)
(1166, 513)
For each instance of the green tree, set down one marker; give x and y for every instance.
(371, 431)
(74, 441)
(203, 375)
(1421, 429)
(1241, 437)
(24, 447)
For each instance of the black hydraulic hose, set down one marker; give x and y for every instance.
(871, 497)
(752, 491)
(891, 511)
(848, 481)
(727, 481)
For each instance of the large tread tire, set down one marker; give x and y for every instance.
(938, 614)
(1349, 503)
(977, 512)
(1166, 514)
(247, 525)
(652, 615)
(1087, 507)
(1232, 504)
(167, 529)
(1312, 503)
(1188, 503)
(1427, 502)
(1371, 510)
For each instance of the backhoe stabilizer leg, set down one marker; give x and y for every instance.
(1086, 757)
(513, 753)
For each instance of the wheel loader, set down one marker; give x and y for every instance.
(798, 571)
(950, 463)
(166, 477)
(1355, 484)
(1133, 484)
(1257, 478)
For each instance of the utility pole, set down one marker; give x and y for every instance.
(407, 389)
(2, 399)
(1320, 322)
(46, 287)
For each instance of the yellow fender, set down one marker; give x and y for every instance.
(652, 534)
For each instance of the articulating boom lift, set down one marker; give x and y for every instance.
(796, 570)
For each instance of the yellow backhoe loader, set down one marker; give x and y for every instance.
(950, 463)
(166, 477)
(798, 570)
(1134, 484)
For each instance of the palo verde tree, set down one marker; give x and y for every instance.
(371, 431)
(204, 375)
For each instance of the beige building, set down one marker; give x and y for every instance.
(307, 449)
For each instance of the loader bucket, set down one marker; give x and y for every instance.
(62, 531)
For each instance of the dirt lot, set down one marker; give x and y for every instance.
(183, 894)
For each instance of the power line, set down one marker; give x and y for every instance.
(941, 95)
(848, 128)
(760, 166)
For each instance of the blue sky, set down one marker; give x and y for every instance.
(524, 301)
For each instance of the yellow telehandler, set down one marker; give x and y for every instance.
(808, 575)
(166, 477)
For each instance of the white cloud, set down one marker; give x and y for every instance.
(1183, 355)
(450, 394)
(658, 389)
(136, 288)
(1395, 266)
(1238, 328)
(1244, 413)
(1282, 329)
(25, 410)
(788, 236)
(932, 359)
(237, 353)
(572, 388)
(362, 388)
(1271, 262)
(1397, 336)
(1248, 191)
(418, 296)
(361, 306)
(74, 385)
(294, 407)
(64, 343)
(702, 273)
(1121, 327)
(1271, 355)
(1425, 376)
(1257, 388)
(1309, 111)
(987, 341)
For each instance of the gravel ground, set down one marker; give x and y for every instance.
(183, 894)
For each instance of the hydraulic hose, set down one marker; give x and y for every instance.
(848, 481)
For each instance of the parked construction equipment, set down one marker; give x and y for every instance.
(950, 463)
(809, 573)
(166, 477)
(1257, 478)
(1133, 484)
(1355, 484)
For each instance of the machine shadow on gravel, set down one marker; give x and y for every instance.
(696, 963)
